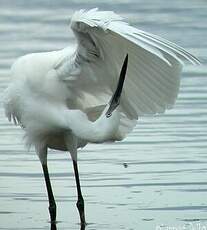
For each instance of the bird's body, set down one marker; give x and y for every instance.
(61, 98)
(48, 108)
(38, 100)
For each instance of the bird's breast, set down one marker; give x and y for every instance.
(57, 142)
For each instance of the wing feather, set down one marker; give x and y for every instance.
(152, 81)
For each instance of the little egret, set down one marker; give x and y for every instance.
(62, 98)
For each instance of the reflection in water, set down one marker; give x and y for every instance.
(54, 226)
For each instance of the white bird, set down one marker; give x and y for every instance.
(60, 98)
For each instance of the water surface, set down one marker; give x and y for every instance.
(165, 181)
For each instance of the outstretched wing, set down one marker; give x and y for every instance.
(152, 80)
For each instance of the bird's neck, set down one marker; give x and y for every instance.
(102, 130)
(107, 127)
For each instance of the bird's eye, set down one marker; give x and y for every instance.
(108, 115)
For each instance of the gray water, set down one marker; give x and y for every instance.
(165, 183)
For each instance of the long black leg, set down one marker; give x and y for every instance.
(52, 204)
(80, 202)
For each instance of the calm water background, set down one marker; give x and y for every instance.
(165, 182)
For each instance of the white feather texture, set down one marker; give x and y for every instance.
(67, 90)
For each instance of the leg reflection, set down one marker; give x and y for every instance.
(53, 226)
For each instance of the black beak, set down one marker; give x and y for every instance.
(115, 100)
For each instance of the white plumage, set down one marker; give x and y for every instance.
(59, 97)
(85, 77)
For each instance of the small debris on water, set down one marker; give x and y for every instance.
(147, 219)
(125, 165)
